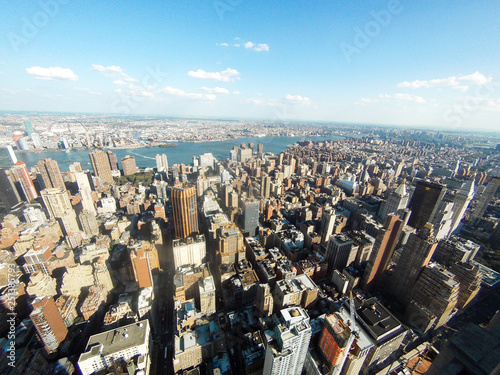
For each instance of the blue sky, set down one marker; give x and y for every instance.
(425, 63)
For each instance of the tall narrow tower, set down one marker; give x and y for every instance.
(51, 174)
(23, 181)
(100, 164)
(461, 203)
(48, 323)
(185, 211)
(424, 203)
(485, 198)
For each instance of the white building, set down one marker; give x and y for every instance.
(285, 355)
(161, 163)
(192, 250)
(206, 287)
(34, 215)
(127, 346)
(108, 205)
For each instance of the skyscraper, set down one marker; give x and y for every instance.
(396, 201)
(185, 211)
(251, 213)
(48, 323)
(51, 174)
(161, 163)
(23, 181)
(417, 253)
(340, 252)
(113, 161)
(129, 166)
(286, 354)
(100, 164)
(88, 223)
(382, 251)
(59, 206)
(462, 200)
(265, 186)
(424, 203)
(485, 199)
(9, 196)
(7, 157)
(29, 127)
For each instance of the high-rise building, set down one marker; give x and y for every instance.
(416, 254)
(29, 127)
(51, 174)
(285, 355)
(190, 251)
(185, 211)
(327, 224)
(469, 277)
(265, 186)
(7, 157)
(432, 298)
(424, 203)
(125, 348)
(230, 247)
(161, 163)
(48, 323)
(101, 166)
(9, 196)
(113, 161)
(129, 166)
(385, 243)
(485, 198)
(23, 181)
(395, 203)
(334, 340)
(340, 252)
(206, 287)
(37, 142)
(251, 213)
(461, 202)
(454, 250)
(59, 207)
(88, 223)
(141, 268)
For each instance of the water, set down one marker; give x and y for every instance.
(182, 153)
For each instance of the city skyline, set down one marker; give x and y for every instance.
(390, 63)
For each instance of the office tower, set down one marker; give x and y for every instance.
(285, 355)
(23, 181)
(125, 349)
(424, 203)
(23, 144)
(59, 207)
(385, 244)
(251, 212)
(340, 252)
(265, 186)
(244, 154)
(88, 223)
(416, 254)
(454, 250)
(85, 190)
(442, 218)
(37, 142)
(260, 149)
(461, 202)
(48, 323)
(432, 299)
(7, 157)
(230, 247)
(206, 288)
(129, 166)
(9, 196)
(51, 174)
(161, 163)
(75, 167)
(395, 203)
(327, 225)
(113, 161)
(485, 199)
(29, 127)
(100, 164)
(190, 251)
(185, 211)
(469, 277)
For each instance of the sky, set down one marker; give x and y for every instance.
(426, 63)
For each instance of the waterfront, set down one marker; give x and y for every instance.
(182, 153)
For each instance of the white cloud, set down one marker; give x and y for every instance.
(215, 90)
(257, 47)
(459, 83)
(297, 99)
(181, 93)
(237, 45)
(52, 73)
(223, 44)
(397, 96)
(88, 91)
(120, 82)
(228, 75)
(249, 45)
(113, 71)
